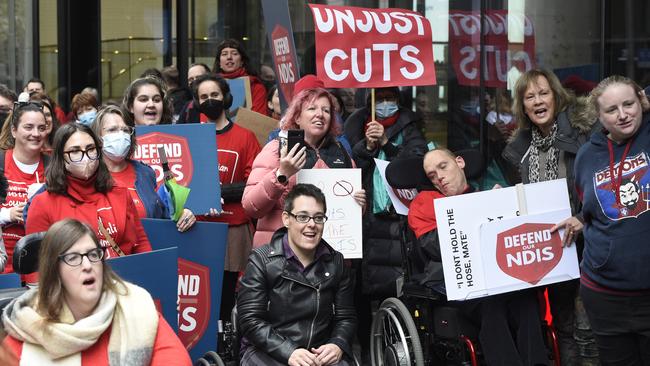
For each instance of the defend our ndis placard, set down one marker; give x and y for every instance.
(500, 240)
(191, 151)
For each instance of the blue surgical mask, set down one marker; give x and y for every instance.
(386, 109)
(116, 145)
(87, 118)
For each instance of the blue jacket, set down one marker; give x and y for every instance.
(145, 185)
(616, 254)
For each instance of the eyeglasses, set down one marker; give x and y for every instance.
(76, 156)
(303, 219)
(115, 129)
(75, 259)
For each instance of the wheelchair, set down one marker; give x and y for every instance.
(420, 327)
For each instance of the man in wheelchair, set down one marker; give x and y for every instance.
(510, 325)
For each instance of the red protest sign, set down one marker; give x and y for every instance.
(501, 56)
(361, 47)
(285, 65)
(529, 252)
(193, 301)
(177, 150)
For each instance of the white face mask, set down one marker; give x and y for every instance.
(116, 145)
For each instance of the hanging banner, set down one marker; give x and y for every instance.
(191, 151)
(283, 48)
(201, 255)
(362, 47)
(503, 59)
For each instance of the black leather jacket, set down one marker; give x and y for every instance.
(281, 309)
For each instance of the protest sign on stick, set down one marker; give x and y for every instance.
(363, 47)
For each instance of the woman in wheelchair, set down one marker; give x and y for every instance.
(295, 302)
(510, 327)
(83, 314)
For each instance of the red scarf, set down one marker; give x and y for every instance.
(386, 122)
(235, 74)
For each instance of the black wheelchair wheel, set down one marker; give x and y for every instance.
(213, 358)
(394, 339)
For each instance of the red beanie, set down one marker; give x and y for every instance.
(308, 81)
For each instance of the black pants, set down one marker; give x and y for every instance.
(511, 328)
(621, 325)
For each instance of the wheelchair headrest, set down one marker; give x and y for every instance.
(25, 259)
(408, 172)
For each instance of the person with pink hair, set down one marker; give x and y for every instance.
(274, 169)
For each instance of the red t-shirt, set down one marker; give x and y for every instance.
(422, 215)
(126, 179)
(237, 148)
(19, 183)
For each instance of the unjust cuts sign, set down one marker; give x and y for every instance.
(488, 247)
(361, 47)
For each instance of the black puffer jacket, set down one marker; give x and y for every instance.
(281, 309)
(382, 255)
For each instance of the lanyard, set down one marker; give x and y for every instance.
(617, 179)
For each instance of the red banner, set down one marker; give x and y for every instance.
(361, 47)
(501, 56)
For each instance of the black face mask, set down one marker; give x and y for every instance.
(212, 108)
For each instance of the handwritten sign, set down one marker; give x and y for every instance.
(488, 248)
(343, 227)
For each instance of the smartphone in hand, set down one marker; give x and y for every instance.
(295, 137)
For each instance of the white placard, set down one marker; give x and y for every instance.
(343, 229)
(468, 226)
(400, 198)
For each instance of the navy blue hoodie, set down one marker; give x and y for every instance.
(617, 236)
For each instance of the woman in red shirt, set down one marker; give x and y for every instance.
(83, 314)
(80, 186)
(233, 62)
(24, 167)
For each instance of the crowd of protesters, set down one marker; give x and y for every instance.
(80, 166)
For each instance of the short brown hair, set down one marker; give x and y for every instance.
(59, 238)
(82, 100)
